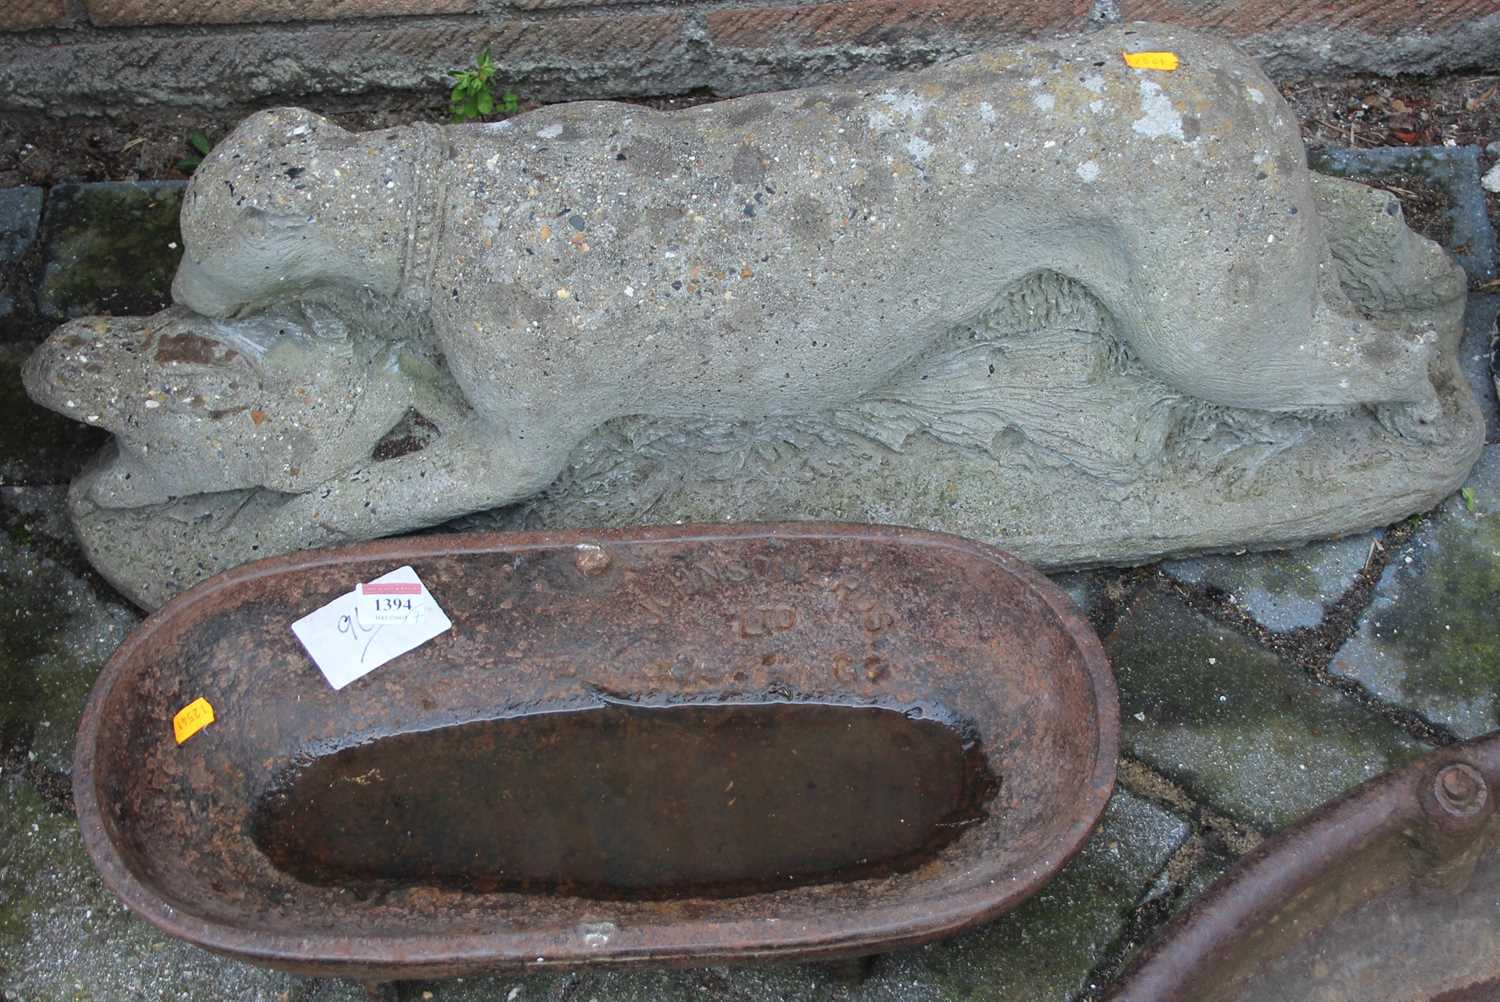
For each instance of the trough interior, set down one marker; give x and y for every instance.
(622, 801)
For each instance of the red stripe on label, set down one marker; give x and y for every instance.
(391, 588)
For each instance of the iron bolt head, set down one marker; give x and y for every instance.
(1460, 789)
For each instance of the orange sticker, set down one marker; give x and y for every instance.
(192, 718)
(1151, 60)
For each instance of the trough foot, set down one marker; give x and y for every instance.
(851, 970)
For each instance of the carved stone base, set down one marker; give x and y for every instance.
(1348, 474)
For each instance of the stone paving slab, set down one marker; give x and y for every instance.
(110, 247)
(63, 936)
(1224, 718)
(37, 447)
(1477, 358)
(59, 630)
(1282, 591)
(20, 222)
(1430, 639)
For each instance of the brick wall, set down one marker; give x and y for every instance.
(105, 54)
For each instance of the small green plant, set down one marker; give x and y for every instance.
(199, 147)
(1469, 500)
(472, 98)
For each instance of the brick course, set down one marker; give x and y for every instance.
(581, 6)
(20, 15)
(883, 22)
(556, 59)
(148, 51)
(565, 40)
(113, 13)
(1246, 18)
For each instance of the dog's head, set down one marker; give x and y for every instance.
(291, 202)
(199, 405)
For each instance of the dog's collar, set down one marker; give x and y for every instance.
(424, 211)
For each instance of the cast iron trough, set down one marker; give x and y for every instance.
(675, 745)
(1389, 894)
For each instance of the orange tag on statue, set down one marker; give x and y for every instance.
(1151, 60)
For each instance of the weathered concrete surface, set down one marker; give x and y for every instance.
(943, 303)
(1429, 641)
(1455, 169)
(1470, 237)
(1282, 591)
(109, 246)
(65, 937)
(1336, 47)
(1226, 719)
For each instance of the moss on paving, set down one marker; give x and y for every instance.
(110, 248)
(58, 632)
(1253, 738)
(32, 617)
(1430, 641)
(1282, 591)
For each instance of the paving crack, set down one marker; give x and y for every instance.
(1311, 650)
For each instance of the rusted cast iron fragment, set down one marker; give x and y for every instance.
(668, 745)
(1391, 892)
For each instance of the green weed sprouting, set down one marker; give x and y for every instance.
(472, 98)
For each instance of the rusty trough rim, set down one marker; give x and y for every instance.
(1206, 935)
(697, 942)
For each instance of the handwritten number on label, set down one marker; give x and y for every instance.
(362, 629)
(352, 625)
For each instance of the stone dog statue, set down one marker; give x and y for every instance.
(1026, 271)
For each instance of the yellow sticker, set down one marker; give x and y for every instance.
(192, 718)
(1150, 60)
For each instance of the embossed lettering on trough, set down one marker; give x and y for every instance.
(687, 744)
(1035, 296)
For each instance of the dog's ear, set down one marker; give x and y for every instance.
(260, 165)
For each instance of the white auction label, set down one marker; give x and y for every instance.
(391, 601)
(363, 629)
